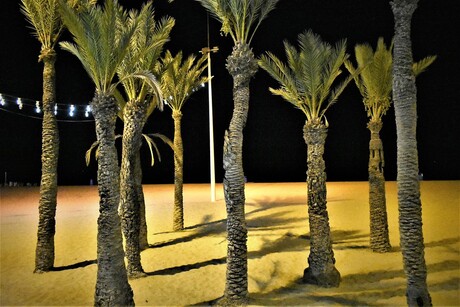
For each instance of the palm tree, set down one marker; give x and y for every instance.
(102, 35)
(143, 52)
(240, 19)
(178, 81)
(44, 17)
(307, 82)
(375, 84)
(410, 205)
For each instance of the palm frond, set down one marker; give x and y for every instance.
(101, 35)
(240, 19)
(423, 64)
(160, 136)
(307, 80)
(45, 21)
(373, 76)
(136, 71)
(95, 146)
(179, 79)
(89, 151)
(281, 73)
(152, 145)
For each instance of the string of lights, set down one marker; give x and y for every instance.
(34, 109)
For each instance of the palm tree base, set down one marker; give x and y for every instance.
(417, 296)
(41, 271)
(231, 301)
(136, 274)
(328, 279)
(384, 248)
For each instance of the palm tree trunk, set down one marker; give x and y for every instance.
(134, 119)
(410, 206)
(112, 287)
(143, 241)
(44, 253)
(242, 66)
(379, 239)
(178, 219)
(321, 270)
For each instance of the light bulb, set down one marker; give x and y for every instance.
(19, 103)
(71, 110)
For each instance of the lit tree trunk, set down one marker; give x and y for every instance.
(242, 66)
(379, 239)
(143, 241)
(178, 218)
(134, 119)
(112, 287)
(321, 261)
(44, 254)
(410, 206)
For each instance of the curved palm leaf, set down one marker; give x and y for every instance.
(150, 142)
(95, 147)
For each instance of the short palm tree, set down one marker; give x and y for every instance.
(410, 205)
(375, 84)
(307, 81)
(240, 19)
(142, 97)
(102, 35)
(44, 17)
(179, 79)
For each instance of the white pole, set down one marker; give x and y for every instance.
(211, 134)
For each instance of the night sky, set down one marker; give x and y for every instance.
(274, 149)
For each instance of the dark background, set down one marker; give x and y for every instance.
(274, 149)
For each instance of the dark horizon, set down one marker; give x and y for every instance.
(274, 149)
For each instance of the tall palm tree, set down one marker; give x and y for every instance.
(102, 35)
(240, 19)
(375, 84)
(44, 17)
(410, 205)
(142, 98)
(307, 81)
(179, 79)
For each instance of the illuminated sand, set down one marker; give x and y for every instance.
(188, 267)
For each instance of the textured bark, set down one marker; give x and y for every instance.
(410, 206)
(143, 241)
(242, 66)
(321, 270)
(178, 218)
(379, 239)
(44, 253)
(134, 120)
(112, 287)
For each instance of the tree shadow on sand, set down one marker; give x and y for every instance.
(361, 289)
(187, 267)
(77, 265)
(218, 228)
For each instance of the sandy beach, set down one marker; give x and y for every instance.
(188, 267)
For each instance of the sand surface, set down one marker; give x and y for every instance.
(188, 267)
